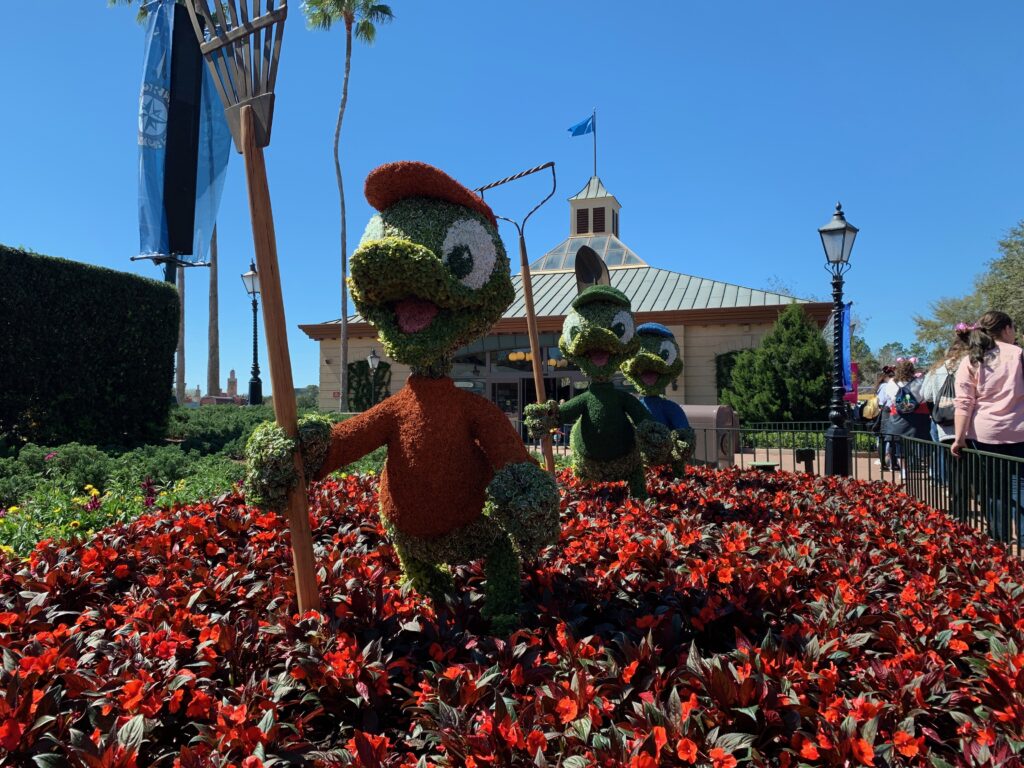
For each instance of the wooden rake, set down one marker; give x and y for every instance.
(241, 49)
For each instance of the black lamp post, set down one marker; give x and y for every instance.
(373, 359)
(251, 280)
(837, 238)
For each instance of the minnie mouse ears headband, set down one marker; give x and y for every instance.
(962, 327)
(911, 360)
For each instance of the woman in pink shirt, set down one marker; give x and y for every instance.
(990, 406)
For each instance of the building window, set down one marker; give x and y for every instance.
(582, 221)
(599, 219)
(615, 222)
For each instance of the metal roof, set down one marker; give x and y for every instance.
(649, 290)
(563, 256)
(594, 188)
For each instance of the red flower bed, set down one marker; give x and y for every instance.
(776, 619)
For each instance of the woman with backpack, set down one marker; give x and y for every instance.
(939, 389)
(907, 410)
(990, 412)
(884, 447)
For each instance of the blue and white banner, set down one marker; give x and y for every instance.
(845, 322)
(214, 143)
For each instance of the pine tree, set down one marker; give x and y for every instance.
(787, 378)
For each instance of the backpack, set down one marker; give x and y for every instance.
(904, 402)
(945, 409)
(871, 409)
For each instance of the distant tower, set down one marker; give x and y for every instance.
(232, 384)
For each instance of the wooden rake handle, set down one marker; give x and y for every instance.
(275, 329)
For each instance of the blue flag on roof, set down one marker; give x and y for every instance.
(582, 128)
(214, 142)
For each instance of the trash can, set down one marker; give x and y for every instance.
(716, 430)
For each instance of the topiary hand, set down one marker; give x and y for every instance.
(655, 442)
(270, 469)
(682, 445)
(541, 419)
(523, 499)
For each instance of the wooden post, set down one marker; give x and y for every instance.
(531, 329)
(275, 329)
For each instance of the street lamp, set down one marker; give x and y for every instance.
(251, 281)
(373, 359)
(837, 239)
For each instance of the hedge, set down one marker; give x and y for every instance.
(87, 353)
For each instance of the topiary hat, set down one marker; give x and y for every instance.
(389, 183)
(601, 293)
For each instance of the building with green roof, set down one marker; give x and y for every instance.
(709, 319)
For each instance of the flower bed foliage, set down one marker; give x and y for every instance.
(776, 619)
(68, 490)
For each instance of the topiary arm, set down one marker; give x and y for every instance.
(636, 410)
(572, 409)
(494, 433)
(654, 441)
(354, 438)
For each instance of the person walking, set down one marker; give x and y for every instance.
(884, 447)
(939, 383)
(990, 413)
(908, 413)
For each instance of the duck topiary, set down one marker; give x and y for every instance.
(655, 364)
(611, 429)
(431, 275)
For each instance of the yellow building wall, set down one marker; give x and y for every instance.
(702, 343)
(699, 345)
(358, 349)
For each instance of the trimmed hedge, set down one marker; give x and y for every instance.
(87, 353)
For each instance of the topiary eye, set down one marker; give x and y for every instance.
(667, 352)
(469, 253)
(622, 326)
(460, 261)
(571, 328)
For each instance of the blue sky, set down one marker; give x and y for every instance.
(727, 131)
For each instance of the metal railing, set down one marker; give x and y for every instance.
(983, 490)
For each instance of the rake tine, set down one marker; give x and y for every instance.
(278, 34)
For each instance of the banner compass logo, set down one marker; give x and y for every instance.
(153, 116)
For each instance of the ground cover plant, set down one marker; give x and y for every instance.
(736, 617)
(70, 490)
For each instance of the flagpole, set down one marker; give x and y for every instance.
(594, 119)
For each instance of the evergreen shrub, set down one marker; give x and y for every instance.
(786, 378)
(87, 352)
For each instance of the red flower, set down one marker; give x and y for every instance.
(686, 750)
(10, 734)
(906, 744)
(629, 671)
(567, 709)
(722, 759)
(660, 738)
(862, 751)
(536, 742)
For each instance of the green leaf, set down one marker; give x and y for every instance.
(132, 733)
(49, 760)
(267, 721)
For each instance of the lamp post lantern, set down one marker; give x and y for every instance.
(837, 239)
(373, 359)
(251, 281)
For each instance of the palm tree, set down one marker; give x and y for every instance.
(360, 16)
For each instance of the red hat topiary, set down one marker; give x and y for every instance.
(391, 182)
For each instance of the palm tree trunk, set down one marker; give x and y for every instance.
(343, 380)
(179, 367)
(213, 334)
